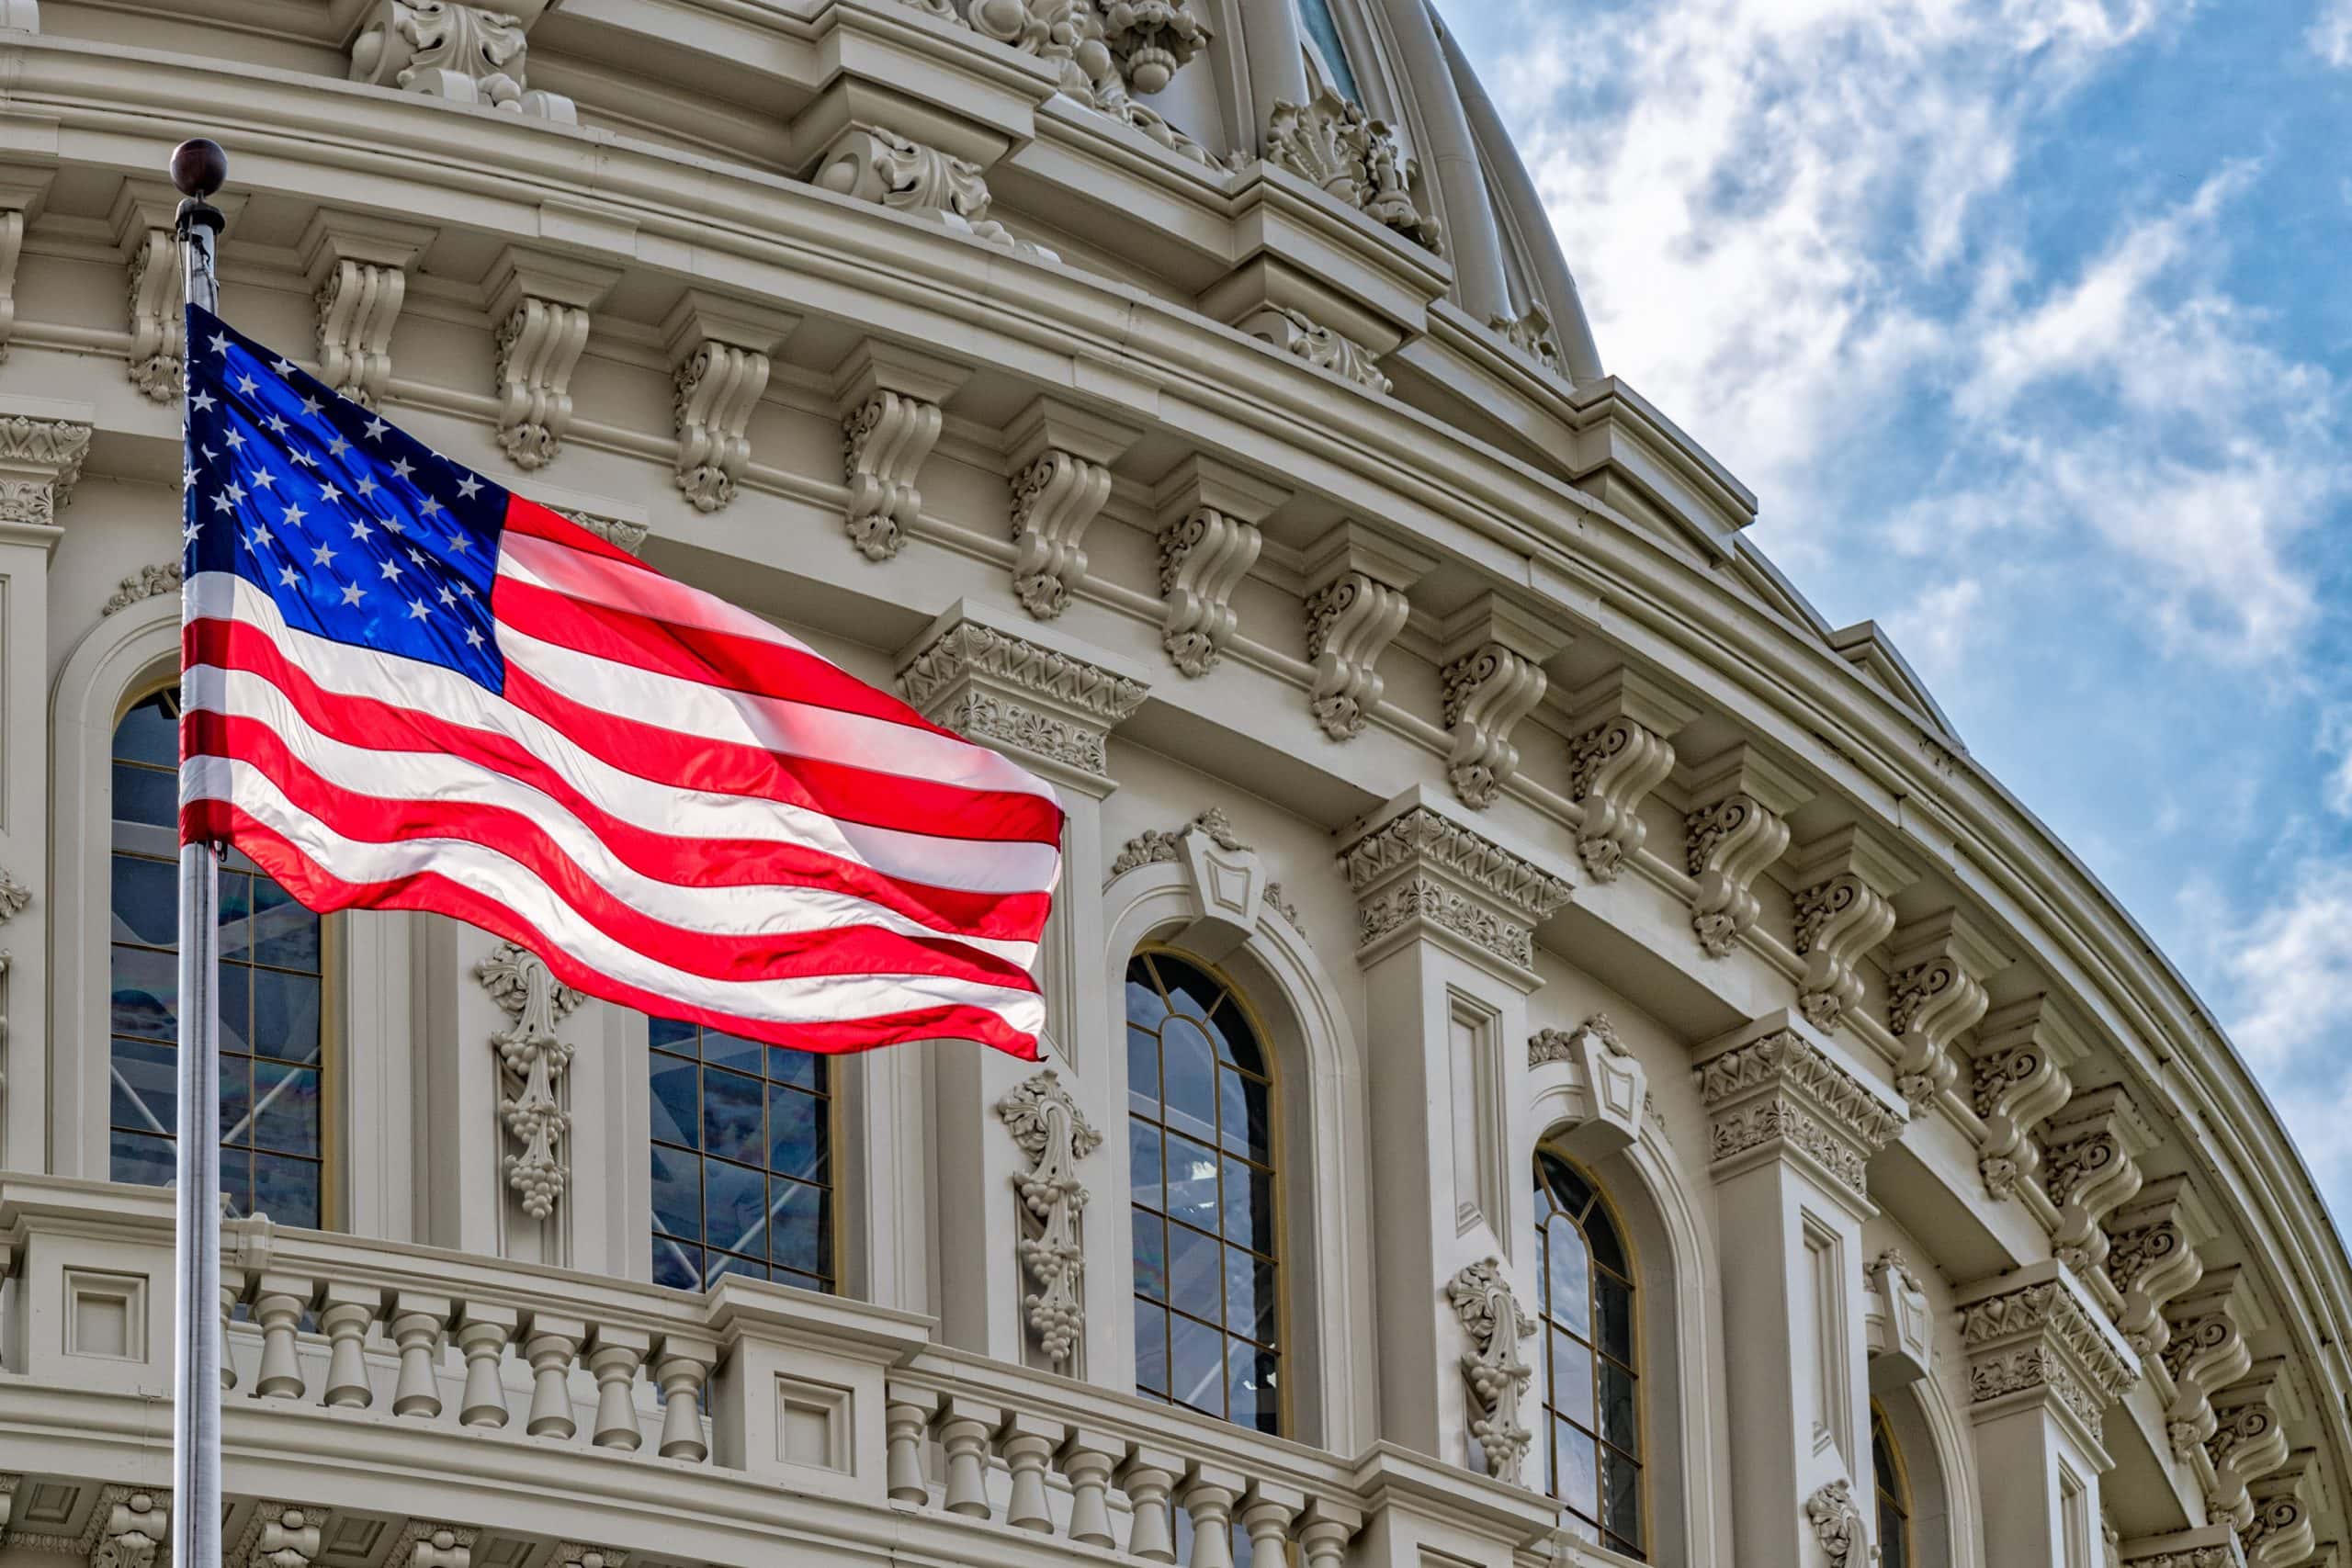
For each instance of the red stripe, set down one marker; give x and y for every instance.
(529, 517)
(318, 889)
(363, 721)
(778, 956)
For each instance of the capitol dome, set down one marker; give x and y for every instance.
(1556, 1054)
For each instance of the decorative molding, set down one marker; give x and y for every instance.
(154, 291)
(279, 1535)
(358, 267)
(1061, 480)
(2205, 1352)
(1020, 696)
(24, 194)
(2035, 1334)
(1491, 666)
(39, 461)
(1494, 1373)
(1620, 751)
(1736, 826)
(1898, 1326)
(2207, 1546)
(617, 532)
(1282, 904)
(2152, 1257)
(1209, 539)
(1531, 333)
(1419, 875)
(1837, 1522)
(424, 1544)
(1548, 1045)
(2089, 1168)
(465, 53)
(889, 400)
(1935, 993)
(1103, 55)
(14, 896)
(532, 1062)
(1152, 847)
(1612, 1080)
(1300, 337)
(1845, 883)
(1776, 1093)
(539, 304)
(1332, 144)
(129, 1527)
(2017, 1079)
(2248, 1442)
(147, 583)
(873, 162)
(1051, 1130)
(1356, 603)
(1152, 39)
(2281, 1534)
(718, 351)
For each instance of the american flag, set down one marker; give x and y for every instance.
(405, 688)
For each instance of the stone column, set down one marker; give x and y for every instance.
(1793, 1124)
(1447, 943)
(2044, 1367)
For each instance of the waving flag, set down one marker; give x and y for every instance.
(406, 688)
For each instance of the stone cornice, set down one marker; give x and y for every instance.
(1776, 1090)
(2035, 1335)
(1046, 707)
(1417, 872)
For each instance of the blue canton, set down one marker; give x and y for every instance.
(358, 530)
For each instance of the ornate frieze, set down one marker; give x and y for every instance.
(1614, 1084)
(1356, 605)
(1494, 1374)
(1302, 337)
(888, 402)
(1055, 1135)
(2017, 1079)
(1152, 847)
(465, 53)
(2152, 1257)
(2090, 1154)
(39, 461)
(1531, 333)
(1846, 882)
(1736, 826)
(1003, 690)
(1331, 143)
(1777, 1094)
(147, 583)
(2207, 1546)
(2035, 1335)
(539, 304)
(1935, 992)
(1897, 1324)
(358, 265)
(1836, 1523)
(2205, 1352)
(532, 1062)
(1492, 668)
(279, 1535)
(1061, 479)
(873, 162)
(2248, 1440)
(1419, 875)
(2281, 1534)
(1620, 749)
(718, 351)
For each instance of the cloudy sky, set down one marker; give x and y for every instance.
(2029, 321)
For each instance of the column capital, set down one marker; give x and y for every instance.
(1051, 710)
(41, 458)
(1417, 874)
(1778, 1089)
(2034, 1336)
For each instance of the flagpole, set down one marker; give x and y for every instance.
(198, 167)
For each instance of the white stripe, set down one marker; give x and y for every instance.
(967, 865)
(433, 778)
(826, 998)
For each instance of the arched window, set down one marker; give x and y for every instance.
(272, 1047)
(742, 1161)
(1200, 1129)
(1894, 1496)
(1322, 31)
(1591, 1399)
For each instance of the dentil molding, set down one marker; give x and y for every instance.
(1055, 1136)
(1494, 1374)
(532, 1062)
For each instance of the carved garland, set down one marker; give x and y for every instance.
(1836, 1523)
(1051, 1130)
(532, 1062)
(1495, 1374)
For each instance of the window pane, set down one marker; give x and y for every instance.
(676, 1118)
(140, 1157)
(1152, 1256)
(286, 1108)
(1571, 1380)
(796, 1134)
(236, 917)
(1151, 1349)
(1145, 1010)
(758, 1197)
(286, 1190)
(1248, 1295)
(801, 1070)
(286, 1016)
(735, 1208)
(1568, 1190)
(1619, 1422)
(146, 1088)
(1621, 1485)
(1143, 1164)
(1248, 1206)
(1195, 1273)
(146, 993)
(1191, 1182)
(1244, 1117)
(146, 901)
(1190, 1065)
(676, 1264)
(669, 1034)
(677, 1197)
(1196, 1356)
(1250, 1387)
(1567, 1273)
(1143, 1069)
(1579, 1471)
(731, 1050)
(285, 935)
(1602, 1237)
(800, 1237)
(1615, 1301)
(732, 1116)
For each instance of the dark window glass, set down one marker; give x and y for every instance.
(1893, 1496)
(742, 1161)
(1591, 1400)
(272, 998)
(1200, 1151)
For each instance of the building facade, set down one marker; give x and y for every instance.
(1557, 1054)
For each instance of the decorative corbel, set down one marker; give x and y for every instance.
(24, 192)
(1935, 993)
(1837, 1522)
(2090, 1154)
(1061, 458)
(1152, 39)
(131, 1526)
(718, 351)
(2153, 1243)
(1621, 727)
(539, 306)
(1302, 337)
(1615, 1084)
(462, 52)
(1897, 1324)
(1737, 825)
(2018, 1077)
(1845, 883)
(1050, 710)
(1209, 516)
(872, 163)
(1493, 669)
(1055, 1134)
(889, 399)
(1356, 603)
(2249, 1440)
(280, 1534)
(425, 1544)
(358, 269)
(1493, 1372)
(2206, 1352)
(39, 461)
(532, 1063)
(156, 291)
(2281, 1534)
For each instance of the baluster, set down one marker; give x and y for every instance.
(551, 1346)
(417, 1324)
(1088, 1458)
(965, 1426)
(1266, 1514)
(345, 1315)
(482, 1332)
(614, 1357)
(1209, 1496)
(279, 1300)
(683, 1370)
(907, 1416)
(1325, 1531)
(1147, 1479)
(1028, 1443)
(233, 1290)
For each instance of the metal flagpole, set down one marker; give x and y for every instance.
(198, 168)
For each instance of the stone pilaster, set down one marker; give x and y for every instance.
(1846, 882)
(1935, 990)
(1493, 668)
(1736, 826)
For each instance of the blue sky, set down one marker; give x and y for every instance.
(2030, 323)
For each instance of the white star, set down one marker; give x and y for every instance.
(261, 534)
(219, 342)
(293, 518)
(430, 507)
(202, 402)
(277, 425)
(210, 455)
(298, 455)
(247, 385)
(310, 407)
(468, 488)
(417, 610)
(330, 494)
(402, 467)
(263, 479)
(352, 594)
(460, 543)
(283, 366)
(322, 555)
(367, 487)
(466, 589)
(359, 529)
(234, 439)
(390, 571)
(235, 491)
(188, 479)
(374, 428)
(473, 636)
(415, 558)
(338, 447)
(223, 503)
(447, 597)
(188, 533)
(394, 526)
(289, 576)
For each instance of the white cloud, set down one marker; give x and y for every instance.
(2331, 34)
(2291, 971)
(1938, 630)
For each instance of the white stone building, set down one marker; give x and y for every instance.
(1558, 1055)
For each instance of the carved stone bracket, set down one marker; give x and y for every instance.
(1531, 333)
(147, 583)
(2017, 1078)
(1209, 516)
(2033, 1337)
(24, 193)
(1055, 1134)
(279, 1535)
(1845, 883)
(1494, 1374)
(1417, 874)
(1300, 337)
(718, 351)
(154, 287)
(2248, 1440)
(1492, 667)
(1837, 1522)
(872, 163)
(1045, 707)
(425, 1544)
(2090, 1154)
(2281, 1534)
(1898, 1325)
(1621, 724)
(532, 1063)
(39, 461)
(887, 398)
(1356, 585)
(1614, 1084)
(1935, 992)
(1772, 1092)
(1061, 480)
(1737, 825)
(128, 1528)
(465, 53)
(2152, 1257)
(2205, 1353)
(1332, 144)
(358, 270)
(538, 305)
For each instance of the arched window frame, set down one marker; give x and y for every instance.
(1890, 1495)
(1548, 1206)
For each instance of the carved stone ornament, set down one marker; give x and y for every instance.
(1614, 1084)
(1332, 144)
(147, 583)
(1837, 1521)
(1736, 826)
(279, 1535)
(2248, 1442)
(1300, 337)
(1152, 39)
(1494, 1374)
(2206, 1352)
(1004, 691)
(1152, 847)
(2017, 1078)
(39, 461)
(156, 288)
(1204, 556)
(465, 53)
(2040, 1336)
(24, 193)
(2090, 1167)
(1054, 500)
(1487, 691)
(1844, 909)
(1103, 51)
(1781, 1094)
(539, 343)
(617, 532)
(2152, 1258)
(1355, 606)
(1055, 1135)
(14, 896)
(884, 443)
(131, 1526)
(1531, 333)
(2205, 1547)
(532, 1062)
(1419, 875)
(1619, 753)
(1897, 1324)
(716, 385)
(873, 162)
(1935, 993)
(359, 264)
(2281, 1534)
(422, 1543)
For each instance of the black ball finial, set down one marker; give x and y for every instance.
(199, 167)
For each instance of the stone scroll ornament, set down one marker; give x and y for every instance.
(1495, 1373)
(532, 1062)
(1055, 1135)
